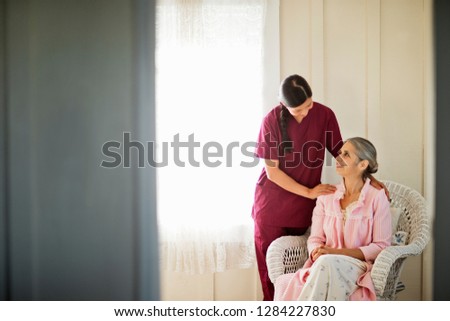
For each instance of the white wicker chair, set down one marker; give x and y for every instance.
(288, 253)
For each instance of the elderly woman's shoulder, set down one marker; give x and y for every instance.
(377, 193)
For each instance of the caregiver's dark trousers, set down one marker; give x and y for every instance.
(264, 235)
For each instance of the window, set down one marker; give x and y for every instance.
(209, 106)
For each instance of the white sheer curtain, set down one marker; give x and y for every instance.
(210, 62)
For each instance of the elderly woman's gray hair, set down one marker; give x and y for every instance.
(365, 150)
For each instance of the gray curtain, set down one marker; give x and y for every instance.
(74, 75)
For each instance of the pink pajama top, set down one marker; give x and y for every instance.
(367, 227)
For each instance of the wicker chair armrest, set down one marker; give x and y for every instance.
(386, 259)
(286, 253)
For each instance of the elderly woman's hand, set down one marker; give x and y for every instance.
(321, 250)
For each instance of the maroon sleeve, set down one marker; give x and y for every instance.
(268, 139)
(333, 135)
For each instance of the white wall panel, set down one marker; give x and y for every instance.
(402, 92)
(177, 286)
(295, 38)
(402, 107)
(345, 64)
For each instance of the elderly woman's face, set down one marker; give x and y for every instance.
(347, 163)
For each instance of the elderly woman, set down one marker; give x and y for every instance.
(349, 228)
